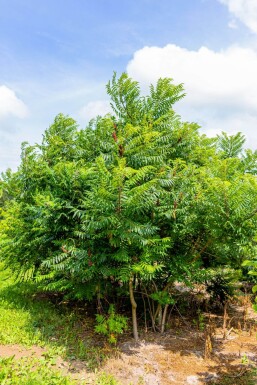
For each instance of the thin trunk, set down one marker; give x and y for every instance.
(208, 342)
(134, 309)
(152, 312)
(164, 316)
(225, 316)
(160, 317)
(151, 308)
(99, 304)
(146, 329)
(157, 312)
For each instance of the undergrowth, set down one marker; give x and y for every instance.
(30, 372)
(27, 320)
(249, 377)
(35, 371)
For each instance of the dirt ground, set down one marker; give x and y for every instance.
(183, 355)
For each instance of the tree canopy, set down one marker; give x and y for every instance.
(137, 200)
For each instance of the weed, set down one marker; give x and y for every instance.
(141, 381)
(30, 372)
(111, 325)
(245, 360)
(246, 377)
(106, 379)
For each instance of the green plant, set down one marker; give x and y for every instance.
(245, 360)
(28, 318)
(111, 325)
(30, 372)
(106, 379)
(221, 283)
(247, 377)
(200, 321)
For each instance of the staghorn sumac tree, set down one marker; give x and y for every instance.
(137, 200)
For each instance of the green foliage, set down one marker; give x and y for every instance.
(231, 146)
(247, 377)
(106, 379)
(40, 371)
(30, 372)
(163, 298)
(252, 271)
(220, 283)
(138, 196)
(28, 318)
(111, 325)
(199, 321)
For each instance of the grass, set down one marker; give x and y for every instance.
(28, 320)
(249, 377)
(34, 371)
(30, 372)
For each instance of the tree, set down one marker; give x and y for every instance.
(136, 201)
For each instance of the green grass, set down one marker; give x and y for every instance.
(246, 377)
(28, 319)
(34, 371)
(30, 372)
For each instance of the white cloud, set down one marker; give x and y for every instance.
(233, 24)
(221, 86)
(10, 104)
(93, 109)
(244, 10)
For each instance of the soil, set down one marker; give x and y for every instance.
(183, 355)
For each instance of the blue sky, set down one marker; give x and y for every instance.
(56, 56)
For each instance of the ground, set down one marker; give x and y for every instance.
(177, 357)
(191, 351)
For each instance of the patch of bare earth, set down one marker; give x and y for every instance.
(19, 351)
(176, 357)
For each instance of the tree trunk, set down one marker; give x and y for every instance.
(134, 309)
(225, 317)
(164, 316)
(158, 316)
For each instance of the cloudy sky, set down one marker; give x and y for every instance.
(57, 55)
